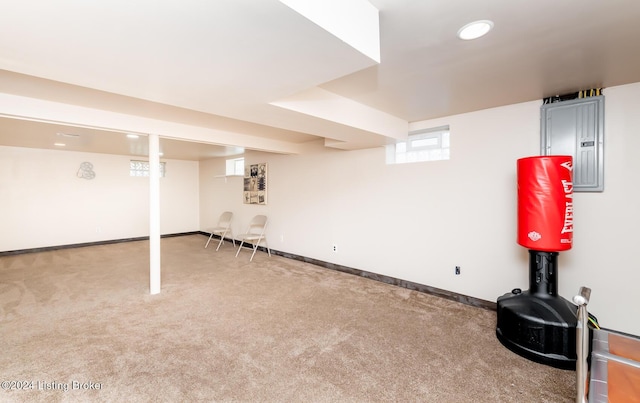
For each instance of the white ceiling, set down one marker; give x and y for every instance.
(268, 78)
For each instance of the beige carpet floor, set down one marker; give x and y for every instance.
(224, 329)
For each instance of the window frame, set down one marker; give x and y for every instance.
(144, 172)
(407, 151)
(233, 163)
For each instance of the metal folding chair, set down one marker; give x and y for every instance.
(255, 235)
(224, 227)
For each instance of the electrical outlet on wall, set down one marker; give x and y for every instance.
(457, 271)
(334, 248)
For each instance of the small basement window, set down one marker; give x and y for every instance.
(141, 168)
(420, 146)
(235, 167)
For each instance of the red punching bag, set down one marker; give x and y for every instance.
(545, 203)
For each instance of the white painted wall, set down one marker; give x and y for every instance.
(417, 221)
(414, 221)
(43, 202)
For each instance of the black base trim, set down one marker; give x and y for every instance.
(465, 299)
(82, 245)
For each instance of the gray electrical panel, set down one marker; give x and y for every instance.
(576, 128)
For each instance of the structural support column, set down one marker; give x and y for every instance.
(154, 214)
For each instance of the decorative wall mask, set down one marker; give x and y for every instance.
(86, 171)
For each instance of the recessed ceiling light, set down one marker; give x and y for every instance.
(475, 30)
(132, 136)
(59, 144)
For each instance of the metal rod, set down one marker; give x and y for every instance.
(582, 343)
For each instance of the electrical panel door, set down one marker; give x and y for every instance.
(576, 128)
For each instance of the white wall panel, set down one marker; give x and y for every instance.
(418, 221)
(44, 203)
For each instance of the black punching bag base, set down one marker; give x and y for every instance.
(539, 327)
